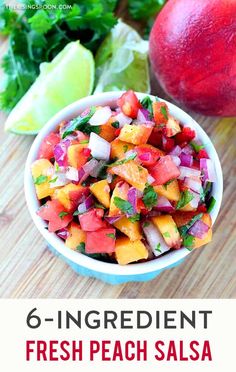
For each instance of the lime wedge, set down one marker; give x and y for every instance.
(122, 61)
(69, 77)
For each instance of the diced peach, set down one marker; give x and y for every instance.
(206, 218)
(170, 191)
(131, 229)
(183, 218)
(44, 168)
(136, 134)
(121, 191)
(133, 173)
(172, 127)
(119, 148)
(107, 131)
(101, 190)
(70, 195)
(160, 112)
(167, 226)
(77, 155)
(76, 236)
(127, 251)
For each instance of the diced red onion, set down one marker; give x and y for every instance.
(100, 148)
(155, 239)
(143, 115)
(95, 172)
(194, 184)
(208, 170)
(113, 219)
(176, 151)
(150, 179)
(101, 116)
(176, 160)
(187, 150)
(63, 233)
(188, 172)
(86, 205)
(148, 123)
(60, 152)
(186, 160)
(195, 201)
(163, 205)
(122, 119)
(133, 199)
(86, 170)
(72, 174)
(199, 229)
(82, 175)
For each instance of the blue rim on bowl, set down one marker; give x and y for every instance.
(109, 272)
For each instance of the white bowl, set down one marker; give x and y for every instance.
(109, 272)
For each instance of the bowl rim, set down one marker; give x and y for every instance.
(70, 111)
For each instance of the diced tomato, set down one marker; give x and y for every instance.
(196, 164)
(92, 220)
(117, 132)
(186, 135)
(129, 104)
(202, 154)
(101, 241)
(147, 154)
(56, 215)
(168, 143)
(182, 185)
(155, 138)
(164, 170)
(86, 152)
(47, 146)
(202, 208)
(141, 208)
(160, 112)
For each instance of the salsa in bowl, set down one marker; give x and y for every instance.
(124, 180)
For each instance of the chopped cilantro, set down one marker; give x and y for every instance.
(196, 147)
(76, 213)
(134, 218)
(125, 148)
(81, 247)
(212, 203)
(53, 180)
(99, 205)
(167, 183)
(123, 205)
(186, 197)
(158, 247)
(166, 234)
(146, 224)
(80, 123)
(84, 141)
(188, 241)
(147, 104)
(40, 179)
(123, 161)
(57, 168)
(164, 112)
(115, 124)
(184, 229)
(63, 214)
(112, 236)
(149, 196)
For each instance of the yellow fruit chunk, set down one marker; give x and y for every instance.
(133, 173)
(42, 170)
(167, 226)
(101, 190)
(76, 236)
(131, 229)
(172, 127)
(206, 218)
(136, 134)
(76, 157)
(107, 131)
(127, 251)
(171, 191)
(119, 148)
(69, 195)
(121, 191)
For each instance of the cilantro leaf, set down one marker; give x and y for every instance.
(81, 247)
(123, 161)
(125, 148)
(41, 22)
(196, 147)
(188, 241)
(80, 123)
(123, 205)
(184, 229)
(150, 197)
(115, 124)
(147, 104)
(140, 9)
(134, 218)
(112, 236)
(158, 247)
(63, 214)
(146, 224)
(40, 179)
(53, 180)
(167, 183)
(212, 203)
(166, 234)
(164, 112)
(186, 197)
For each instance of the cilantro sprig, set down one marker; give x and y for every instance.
(186, 197)
(150, 197)
(40, 179)
(123, 205)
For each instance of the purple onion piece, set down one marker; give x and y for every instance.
(163, 205)
(113, 219)
(86, 205)
(133, 199)
(186, 160)
(143, 115)
(60, 153)
(208, 170)
(199, 229)
(176, 151)
(63, 233)
(187, 150)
